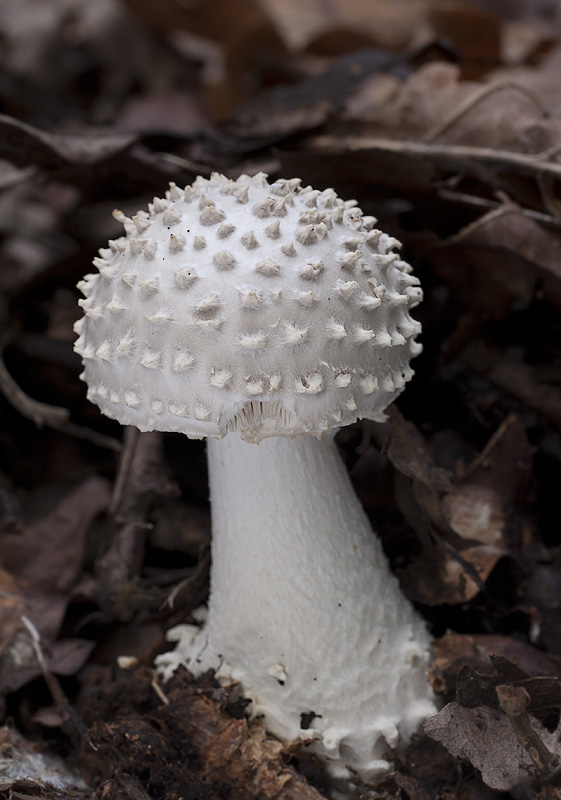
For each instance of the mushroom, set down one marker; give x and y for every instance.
(271, 314)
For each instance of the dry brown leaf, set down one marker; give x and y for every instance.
(49, 555)
(426, 771)
(486, 737)
(474, 29)
(493, 115)
(19, 665)
(46, 562)
(515, 234)
(527, 382)
(385, 22)
(287, 109)
(462, 525)
(497, 132)
(544, 82)
(454, 650)
(241, 31)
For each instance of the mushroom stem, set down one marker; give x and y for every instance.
(304, 610)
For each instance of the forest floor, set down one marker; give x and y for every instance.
(443, 120)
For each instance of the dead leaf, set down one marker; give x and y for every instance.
(241, 29)
(46, 563)
(454, 650)
(387, 24)
(19, 665)
(474, 29)
(512, 233)
(488, 115)
(408, 452)
(462, 524)
(50, 553)
(521, 380)
(485, 737)
(142, 477)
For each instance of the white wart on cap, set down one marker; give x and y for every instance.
(269, 309)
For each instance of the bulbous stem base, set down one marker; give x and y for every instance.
(304, 611)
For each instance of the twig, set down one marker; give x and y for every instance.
(130, 440)
(550, 201)
(44, 414)
(89, 435)
(155, 684)
(196, 167)
(481, 459)
(61, 702)
(450, 156)
(482, 202)
(480, 222)
(40, 413)
(474, 99)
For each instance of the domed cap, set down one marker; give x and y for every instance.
(269, 309)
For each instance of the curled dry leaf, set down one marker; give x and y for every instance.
(454, 650)
(462, 523)
(44, 567)
(436, 126)
(435, 105)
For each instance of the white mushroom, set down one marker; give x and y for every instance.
(274, 314)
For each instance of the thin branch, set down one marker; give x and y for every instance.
(482, 202)
(52, 416)
(40, 413)
(196, 167)
(130, 440)
(449, 156)
(72, 722)
(480, 222)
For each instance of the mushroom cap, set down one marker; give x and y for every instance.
(269, 309)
